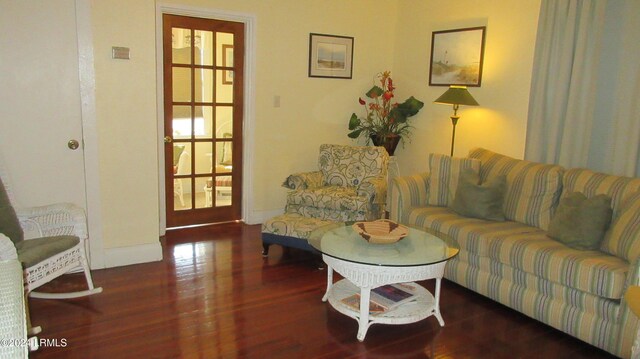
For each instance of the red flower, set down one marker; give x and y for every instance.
(391, 88)
(388, 95)
(361, 101)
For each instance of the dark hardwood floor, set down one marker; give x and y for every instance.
(214, 296)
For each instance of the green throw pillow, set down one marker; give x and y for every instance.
(476, 200)
(9, 224)
(581, 222)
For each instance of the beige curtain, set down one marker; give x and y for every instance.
(561, 105)
(584, 108)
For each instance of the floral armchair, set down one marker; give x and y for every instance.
(351, 185)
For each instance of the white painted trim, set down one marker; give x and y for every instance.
(87, 78)
(124, 256)
(250, 22)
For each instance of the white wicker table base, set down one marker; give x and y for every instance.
(363, 278)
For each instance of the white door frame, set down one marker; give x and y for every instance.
(87, 78)
(249, 21)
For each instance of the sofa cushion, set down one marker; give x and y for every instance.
(533, 189)
(581, 222)
(477, 200)
(530, 250)
(350, 165)
(623, 238)
(444, 172)
(332, 197)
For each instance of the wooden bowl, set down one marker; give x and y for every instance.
(381, 231)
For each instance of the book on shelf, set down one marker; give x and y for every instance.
(353, 302)
(384, 298)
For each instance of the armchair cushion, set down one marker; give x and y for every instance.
(329, 197)
(350, 165)
(34, 251)
(9, 224)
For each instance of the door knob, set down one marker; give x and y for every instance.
(73, 144)
(168, 139)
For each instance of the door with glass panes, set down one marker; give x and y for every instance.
(203, 88)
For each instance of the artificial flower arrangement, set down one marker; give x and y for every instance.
(385, 121)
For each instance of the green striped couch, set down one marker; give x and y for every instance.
(517, 264)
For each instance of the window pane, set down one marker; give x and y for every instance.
(224, 122)
(204, 47)
(181, 45)
(224, 86)
(204, 85)
(224, 49)
(181, 84)
(204, 156)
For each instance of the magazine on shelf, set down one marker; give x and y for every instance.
(392, 295)
(384, 298)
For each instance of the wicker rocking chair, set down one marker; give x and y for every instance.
(50, 241)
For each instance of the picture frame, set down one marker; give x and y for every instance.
(227, 60)
(457, 56)
(330, 56)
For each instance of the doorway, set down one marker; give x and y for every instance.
(203, 116)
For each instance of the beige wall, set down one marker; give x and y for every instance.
(499, 123)
(312, 111)
(392, 35)
(127, 121)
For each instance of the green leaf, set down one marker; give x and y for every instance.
(375, 91)
(354, 134)
(406, 109)
(354, 122)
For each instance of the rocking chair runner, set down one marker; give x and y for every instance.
(50, 241)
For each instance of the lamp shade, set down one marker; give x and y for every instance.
(457, 95)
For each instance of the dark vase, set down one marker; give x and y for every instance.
(389, 142)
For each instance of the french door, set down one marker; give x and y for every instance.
(203, 102)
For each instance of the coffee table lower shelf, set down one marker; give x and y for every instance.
(423, 306)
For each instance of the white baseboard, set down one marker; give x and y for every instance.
(257, 217)
(123, 256)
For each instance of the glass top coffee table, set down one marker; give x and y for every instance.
(391, 268)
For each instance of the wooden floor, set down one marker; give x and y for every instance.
(214, 296)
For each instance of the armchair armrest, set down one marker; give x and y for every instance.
(7, 249)
(53, 220)
(374, 188)
(303, 180)
(407, 191)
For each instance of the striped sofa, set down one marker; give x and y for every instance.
(515, 263)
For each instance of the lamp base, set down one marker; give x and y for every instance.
(454, 122)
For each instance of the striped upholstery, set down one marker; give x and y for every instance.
(529, 250)
(585, 316)
(409, 191)
(533, 189)
(623, 238)
(445, 171)
(592, 183)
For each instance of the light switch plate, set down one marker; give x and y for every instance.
(120, 53)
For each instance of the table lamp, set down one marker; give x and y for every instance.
(456, 96)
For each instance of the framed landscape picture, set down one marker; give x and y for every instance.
(330, 56)
(456, 57)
